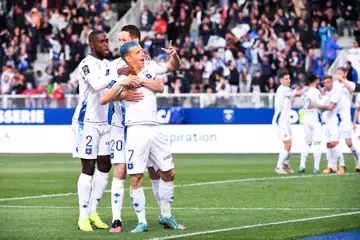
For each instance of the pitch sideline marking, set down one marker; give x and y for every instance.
(190, 208)
(184, 185)
(255, 226)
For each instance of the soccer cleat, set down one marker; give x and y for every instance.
(96, 221)
(141, 227)
(301, 170)
(288, 169)
(280, 171)
(170, 222)
(84, 225)
(357, 169)
(341, 170)
(162, 222)
(316, 171)
(328, 171)
(116, 227)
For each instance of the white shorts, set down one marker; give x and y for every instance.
(346, 130)
(145, 147)
(117, 145)
(90, 140)
(284, 132)
(331, 132)
(313, 132)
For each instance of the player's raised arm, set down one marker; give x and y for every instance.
(116, 88)
(174, 62)
(156, 85)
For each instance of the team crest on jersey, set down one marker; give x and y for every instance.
(86, 69)
(88, 151)
(111, 84)
(130, 166)
(228, 115)
(148, 75)
(107, 72)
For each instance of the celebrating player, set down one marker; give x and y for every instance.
(312, 124)
(281, 120)
(331, 107)
(356, 117)
(144, 141)
(346, 131)
(91, 131)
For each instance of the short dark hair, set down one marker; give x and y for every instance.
(312, 77)
(327, 77)
(342, 69)
(93, 35)
(132, 30)
(283, 74)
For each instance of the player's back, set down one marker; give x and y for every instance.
(144, 111)
(312, 115)
(89, 108)
(283, 102)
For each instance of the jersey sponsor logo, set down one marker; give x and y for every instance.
(111, 84)
(167, 157)
(86, 69)
(107, 72)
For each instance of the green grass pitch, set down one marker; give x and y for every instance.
(217, 197)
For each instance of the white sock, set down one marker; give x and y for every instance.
(329, 156)
(166, 193)
(340, 155)
(99, 183)
(117, 198)
(84, 190)
(317, 155)
(282, 156)
(155, 190)
(287, 159)
(355, 152)
(304, 156)
(335, 157)
(138, 200)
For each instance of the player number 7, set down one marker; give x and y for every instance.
(131, 153)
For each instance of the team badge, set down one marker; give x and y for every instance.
(88, 151)
(148, 76)
(107, 72)
(130, 166)
(228, 115)
(86, 69)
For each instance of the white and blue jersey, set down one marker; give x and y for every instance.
(312, 116)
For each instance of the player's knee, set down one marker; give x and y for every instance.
(349, 142)
(120, 171)
(104, 163)
(168, 176)
(136, 180)
(288, 146)
(332, 145)
(88, 166)
(153, 175)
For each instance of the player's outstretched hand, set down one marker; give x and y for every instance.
(131, 81)
(132, 95)
(171, 51)
(126, 71)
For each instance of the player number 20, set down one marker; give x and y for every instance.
(118, 145)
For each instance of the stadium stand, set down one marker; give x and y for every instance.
(225, 46)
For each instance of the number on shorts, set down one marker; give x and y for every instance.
(89, 139)
(131, 154)
(118, 145)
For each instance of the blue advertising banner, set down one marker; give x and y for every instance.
(63, 116)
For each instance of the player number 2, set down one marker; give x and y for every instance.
(118, 145)
(89, 139)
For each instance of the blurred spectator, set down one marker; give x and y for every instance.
(234, 77)
(146, 19)
(352, 74)
(330, 49)
(209, 98)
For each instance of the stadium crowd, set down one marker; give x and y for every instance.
(225, 46)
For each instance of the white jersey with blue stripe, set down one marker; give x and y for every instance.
(92, 75)
(283, 102)
(144, 112)
(333, 96)
(312, 115)
(118, 110)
